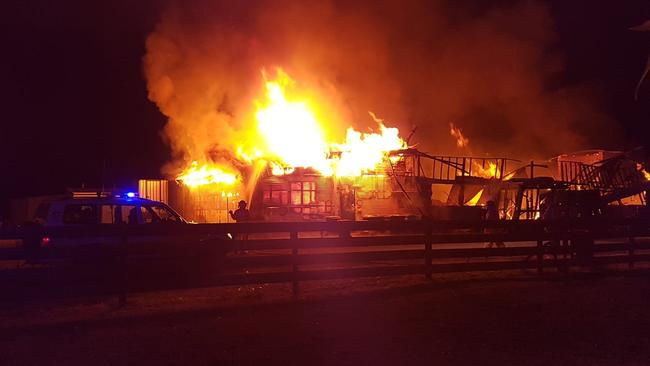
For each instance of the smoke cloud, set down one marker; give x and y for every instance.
(494, 71)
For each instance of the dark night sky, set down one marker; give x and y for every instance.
(75, 107)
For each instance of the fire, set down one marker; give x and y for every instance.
(206, 174)
(363, 152)
(646, 175)
(474, 200)
(461, 140)
(291, 137)
(287, 134)
(510, 175)
(289, 130)
(486, 172)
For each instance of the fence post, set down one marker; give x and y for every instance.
(123, 268)
(428, 270)
(540, 256)
(630, 251)
(565, 255)
(566, 251)
(294, 256)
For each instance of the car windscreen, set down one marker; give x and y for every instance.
(164, 214)
(153, 214)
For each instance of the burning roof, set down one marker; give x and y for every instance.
(289, 134)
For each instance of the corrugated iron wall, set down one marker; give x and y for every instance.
(154, 189)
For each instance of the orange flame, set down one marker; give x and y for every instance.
(206, 174)
(288, 135)
(289, 130)
(646, 175)
(291, 136)
(488, 172)
(461, 140)
(474, 200)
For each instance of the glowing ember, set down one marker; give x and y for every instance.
(461, 141)
(206, 174)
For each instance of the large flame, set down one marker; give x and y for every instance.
(287, 135)
(195, 176)
(292, 137)
(289, 130)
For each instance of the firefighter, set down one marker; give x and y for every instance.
(492, 215)
(242, 214)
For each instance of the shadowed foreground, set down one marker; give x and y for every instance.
(580, 320)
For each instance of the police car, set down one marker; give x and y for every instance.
(90, 226)
(105, 210)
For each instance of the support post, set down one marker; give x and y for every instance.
(294, 256)
(564, 247)
(123, 268)
(532, 169)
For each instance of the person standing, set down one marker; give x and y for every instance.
(492, 215)
(242, 214)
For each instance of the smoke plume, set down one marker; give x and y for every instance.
(494, 71)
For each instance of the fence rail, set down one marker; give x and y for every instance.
(302, 251)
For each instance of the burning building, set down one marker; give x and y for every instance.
(288, 170)
(287, 167)
(293, 139)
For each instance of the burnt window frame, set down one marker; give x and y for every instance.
(267, 195)
(304, 207)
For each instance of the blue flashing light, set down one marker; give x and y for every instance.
(130, 194)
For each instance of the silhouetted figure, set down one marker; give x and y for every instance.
(133, 216)
(242, 214)
(492, 215)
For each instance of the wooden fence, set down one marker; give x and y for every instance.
(302, 251)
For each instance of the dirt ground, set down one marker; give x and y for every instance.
(461, 319)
